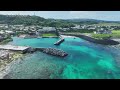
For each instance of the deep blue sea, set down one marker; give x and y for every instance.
(85, 60)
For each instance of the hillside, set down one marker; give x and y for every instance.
(37, 20)
(90, 21)
(20, 19)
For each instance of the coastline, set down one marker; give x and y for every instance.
(64, 36)
(5, 66)
(6, 72)
(116, 39)
(29, 37)
(103, 42)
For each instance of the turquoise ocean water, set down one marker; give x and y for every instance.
(85, 60)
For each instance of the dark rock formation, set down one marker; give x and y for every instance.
(51, 51)
(55, 52)
(31, 50)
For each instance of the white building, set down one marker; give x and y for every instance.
(47, 29)
(9, 32)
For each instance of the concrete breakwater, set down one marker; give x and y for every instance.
(52, 51)
(23, 49)
(59, 41)
(98, 41)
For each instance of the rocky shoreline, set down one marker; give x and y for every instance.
(6, 64)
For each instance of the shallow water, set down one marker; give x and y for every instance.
(85, 60)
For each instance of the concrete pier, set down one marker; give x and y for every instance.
(14, 48)
(59, 41)
(23, 49)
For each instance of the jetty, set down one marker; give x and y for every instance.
(52, 51)
(22, 49)
(59, 41)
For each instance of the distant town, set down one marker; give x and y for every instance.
(8, 30)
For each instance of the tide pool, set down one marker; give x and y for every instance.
(85, 60)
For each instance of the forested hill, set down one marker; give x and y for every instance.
(21, 19)
(90, 21)
(32, 20)
(37, 20)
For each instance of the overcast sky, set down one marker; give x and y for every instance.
(101, 15)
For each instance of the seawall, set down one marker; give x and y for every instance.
(97, 41)
(50, 51)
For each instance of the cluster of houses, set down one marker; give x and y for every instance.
(6, 29)
(91, 27)
(95, 28)
(103, 31)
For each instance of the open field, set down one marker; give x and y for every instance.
(115, 34)
(49, 35)
(101, 36)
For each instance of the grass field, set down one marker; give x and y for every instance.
(115, 34)
(101, 36)
(49, 35)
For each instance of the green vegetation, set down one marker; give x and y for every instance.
(21, 19)
(115, 34)
(101, 36)
(49, 35)
(36, 20)
(33, 20)
(81, 31)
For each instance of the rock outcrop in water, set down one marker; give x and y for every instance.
(55, 52)
(52, 51)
